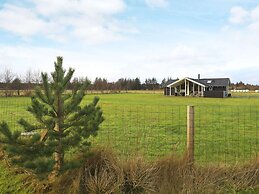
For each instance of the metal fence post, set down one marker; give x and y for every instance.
(190, 134)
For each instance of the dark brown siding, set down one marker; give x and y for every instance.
(214, 94)
(219, 88)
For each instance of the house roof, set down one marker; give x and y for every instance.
(214, 81)
(170, 82)
(205, 81)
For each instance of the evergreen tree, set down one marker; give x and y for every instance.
(163, 83)
(63, 125)
(137, 84)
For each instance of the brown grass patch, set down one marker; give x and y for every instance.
(104, 173)
(176, 176)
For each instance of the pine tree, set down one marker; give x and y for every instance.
(63, 125)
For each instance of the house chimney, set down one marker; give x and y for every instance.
(199, 76)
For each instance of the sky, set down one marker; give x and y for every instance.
(133, 38)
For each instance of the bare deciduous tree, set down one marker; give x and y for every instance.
(36, 77)
(28, 77)
(7, 77)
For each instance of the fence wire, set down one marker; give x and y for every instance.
(151, 131)
(223, 134)
(226, 134)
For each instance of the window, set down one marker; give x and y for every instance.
(209, 82)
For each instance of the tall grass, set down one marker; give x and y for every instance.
(104, 172)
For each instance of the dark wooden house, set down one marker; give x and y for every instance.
(205, 87)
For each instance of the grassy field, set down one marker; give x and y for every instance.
(227, 130)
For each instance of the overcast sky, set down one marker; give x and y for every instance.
(133, 38)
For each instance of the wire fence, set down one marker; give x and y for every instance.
(151, 131)
(223, 134)
(226, 134)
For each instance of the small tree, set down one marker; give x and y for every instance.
(17, 85)
(62, 125)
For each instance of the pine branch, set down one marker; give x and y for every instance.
(68, 77)
(5, 130)
(46, 87)
(27, 126)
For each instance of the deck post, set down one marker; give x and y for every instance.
(188, 88)
(190, 134)
(185, 87)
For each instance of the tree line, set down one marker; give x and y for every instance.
(13, 84)
(243, 86)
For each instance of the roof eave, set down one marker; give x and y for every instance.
(186, 78)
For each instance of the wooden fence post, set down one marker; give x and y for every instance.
(190, 134)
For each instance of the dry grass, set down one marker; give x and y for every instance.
(104, 173)
(176, 176)
(173, 175)
(139, 176)
(98, 174)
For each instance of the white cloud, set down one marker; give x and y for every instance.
(241, 46)
(254, 27)
(238, 15)
(232, 53)
(49, 7)
(228, 55)
(22, 58)
(255, 13)
(21, 21)
(248, 18)
(157, 3)
(91, 21)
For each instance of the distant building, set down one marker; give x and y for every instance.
(246, 90)
(209, 87)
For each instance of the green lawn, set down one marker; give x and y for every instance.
(226, 130)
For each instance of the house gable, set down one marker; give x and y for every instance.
(177, 82)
